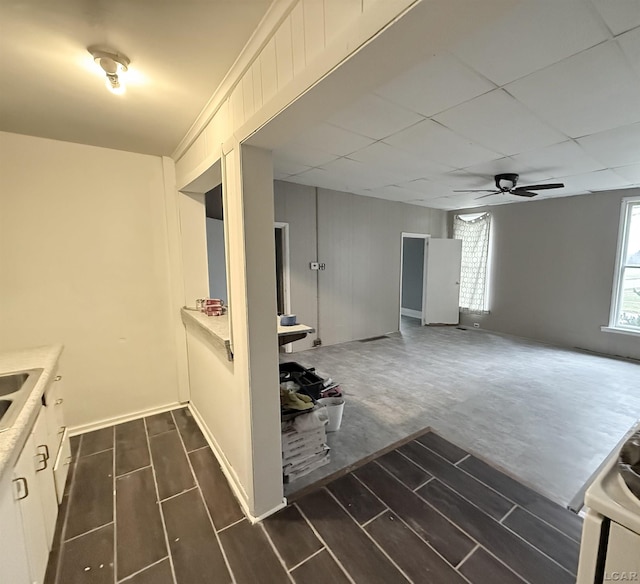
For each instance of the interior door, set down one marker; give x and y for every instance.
(442, 281)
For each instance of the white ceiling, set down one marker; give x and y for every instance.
(180, 51)
(551, 91)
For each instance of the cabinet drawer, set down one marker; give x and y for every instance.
(61, 467)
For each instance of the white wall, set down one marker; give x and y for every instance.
(359, 240)
(83, 262)
(552, 271)
(216, 259)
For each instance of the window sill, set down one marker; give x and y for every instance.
(620, 331)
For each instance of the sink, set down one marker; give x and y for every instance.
(629, 463)
(15, 388)
(5, 404)
(12, 382)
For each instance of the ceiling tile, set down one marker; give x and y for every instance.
(629, 173)
(364, 175)
(435, 142)
(453, 202)
(287, 167)
(587, 93)
(496, 120)
(427, 188)
(333, 139)
(484, 173)
(630, 45)
(392, 193)
(375, 117)
(620, 15)
(438, 84)
(617, 147)
(530, 36)
(304, 155)
(600, 180)
(558, 160)
(381, 155)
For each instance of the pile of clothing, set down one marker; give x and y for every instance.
(304, 442)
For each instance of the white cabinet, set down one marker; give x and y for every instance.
(29, 496)
(14, 566)
(27, 493)
(58, 437)
(623, 555)
(44, 475)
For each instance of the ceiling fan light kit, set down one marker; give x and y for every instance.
(113, 64)
(506, 183)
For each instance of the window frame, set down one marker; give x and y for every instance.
(624, 228)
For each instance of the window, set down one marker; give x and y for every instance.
(473, 230)
(625, 307)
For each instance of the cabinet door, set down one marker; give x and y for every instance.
(14, 567)
(26, 492)
(54, 402)
(61, 467)
(44, 476)
(623, 555)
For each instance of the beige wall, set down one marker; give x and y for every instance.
(553, 263)
(359, 240)
(83, 262)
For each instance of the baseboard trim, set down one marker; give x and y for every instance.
(84, 428)
(410, 312)
(229, 473)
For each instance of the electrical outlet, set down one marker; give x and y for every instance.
(476, 325)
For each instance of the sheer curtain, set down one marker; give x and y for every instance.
(473, 230)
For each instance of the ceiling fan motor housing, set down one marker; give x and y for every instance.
(506, 182)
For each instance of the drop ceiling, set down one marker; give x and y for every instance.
(180, 51)
(550, 90)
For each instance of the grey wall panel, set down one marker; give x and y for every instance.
(552, 271)
(412, 273)
(359, 240)
(296, 205)
(216, 259)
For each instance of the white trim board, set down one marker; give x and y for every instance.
(229, 473)
(410, 312)
(84, 428)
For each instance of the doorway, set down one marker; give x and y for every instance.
(283, 295)
(412, 278)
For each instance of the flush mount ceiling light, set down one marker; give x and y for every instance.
(114, 65)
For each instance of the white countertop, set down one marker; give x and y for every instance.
(217, 328)
(45, 358)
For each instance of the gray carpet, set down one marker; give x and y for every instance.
(546, 415)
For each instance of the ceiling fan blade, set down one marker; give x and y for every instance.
(489, 195)
(543, 187)
(477, 191)
(521, 192)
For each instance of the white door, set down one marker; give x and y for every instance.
(442, 281)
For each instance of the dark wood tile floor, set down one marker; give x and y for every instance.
(147, 503)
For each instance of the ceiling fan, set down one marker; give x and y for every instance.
(506, 184)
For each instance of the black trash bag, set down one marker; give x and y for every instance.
(629, 463)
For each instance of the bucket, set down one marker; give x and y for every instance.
(335, 407)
